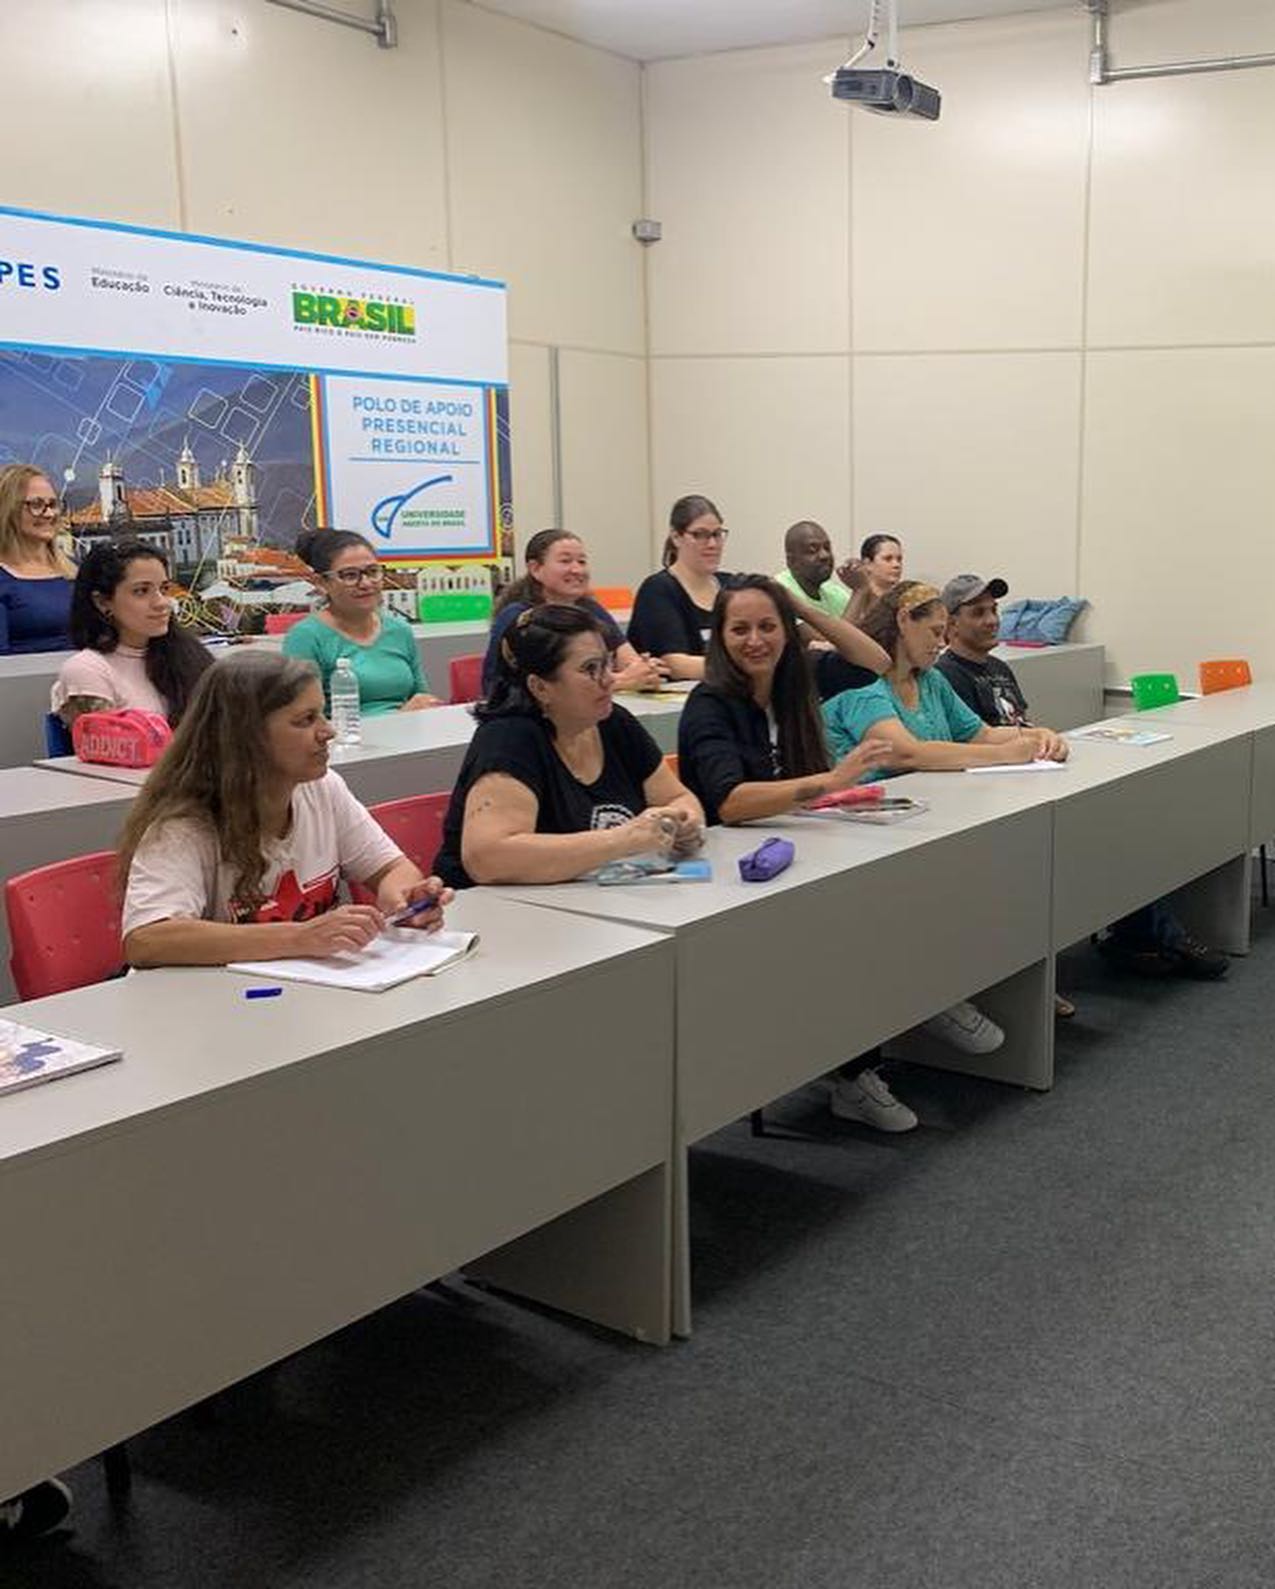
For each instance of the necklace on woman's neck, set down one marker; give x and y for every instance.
(368, 632)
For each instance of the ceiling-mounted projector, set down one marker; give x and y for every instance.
(887, 90)
(890, 93)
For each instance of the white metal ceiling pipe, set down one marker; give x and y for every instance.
(383, 27)
(1101, 72)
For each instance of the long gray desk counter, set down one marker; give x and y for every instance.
(404, 752)
(26, 681)
(1062, 683)
(1034, 861)
(255, 1175)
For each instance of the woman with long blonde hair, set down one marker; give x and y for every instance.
(35, 576)
(237, 844)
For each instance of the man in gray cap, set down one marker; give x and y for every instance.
(985, 683)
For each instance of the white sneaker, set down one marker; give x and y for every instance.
(965, 1028)
(867, 1099)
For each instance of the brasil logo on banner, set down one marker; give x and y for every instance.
(222, 396)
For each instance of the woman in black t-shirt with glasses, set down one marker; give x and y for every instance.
(673, 609)
(558, 779)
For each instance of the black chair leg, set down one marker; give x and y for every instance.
(757, 1120)
(119, 1471)
(1266, 892)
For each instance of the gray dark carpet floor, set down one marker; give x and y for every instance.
(1029, 1345)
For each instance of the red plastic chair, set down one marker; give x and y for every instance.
(416, 826)
(1226, 673)
(465, 677)
(64, 925)
(281, 622)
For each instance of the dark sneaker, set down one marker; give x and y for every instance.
(1190, 958)
(1137, 957)
(36, 1511)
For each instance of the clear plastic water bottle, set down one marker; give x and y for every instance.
(346, 716)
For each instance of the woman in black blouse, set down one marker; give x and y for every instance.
(673, 609)
(750, 742)
(751, 745)
(558, 779)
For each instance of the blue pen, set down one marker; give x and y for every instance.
(262, 993)
(408, 911)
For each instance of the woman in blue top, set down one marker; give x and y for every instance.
(354, 623)
(35, 577)
(558, 572)
(929, 727)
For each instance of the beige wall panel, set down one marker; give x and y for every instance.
(749, 172)
(969, 232)
(305, 134)
(1179, 480)
(605, 481)
(1182, 236)
(531, 439)
(767, 439)
(86, 116)
(545, 152)
(1181, 30)
(973, 461)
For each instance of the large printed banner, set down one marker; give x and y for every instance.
(239, 392)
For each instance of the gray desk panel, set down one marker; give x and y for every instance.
(1063, 684)
(877, 948)
(1262, 823)
(25, 685)
(219, 1200)
(1123, 843)
(854, 896)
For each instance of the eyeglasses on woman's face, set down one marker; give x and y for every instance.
(40, 507)
(707, 537)
(366, 573)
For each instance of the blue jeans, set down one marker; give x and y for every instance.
(1153, 926)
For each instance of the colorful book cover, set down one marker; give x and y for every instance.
(28, 1056)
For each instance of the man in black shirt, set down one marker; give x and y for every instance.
(985, 683)
(1151, 941)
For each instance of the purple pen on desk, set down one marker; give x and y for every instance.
(262, 993)
(408, 911)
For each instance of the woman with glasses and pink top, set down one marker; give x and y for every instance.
(673, 610)
(35, 577)
(354, 623)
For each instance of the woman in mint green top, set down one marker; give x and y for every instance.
(353, 623)
(913, 705)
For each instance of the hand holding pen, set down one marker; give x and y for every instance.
(422, 907)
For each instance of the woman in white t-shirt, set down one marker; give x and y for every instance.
(131, 654)
(239, 839)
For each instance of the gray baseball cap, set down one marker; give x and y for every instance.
(969, 587)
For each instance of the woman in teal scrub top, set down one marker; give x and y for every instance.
(354, 623)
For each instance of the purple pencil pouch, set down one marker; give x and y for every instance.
(767, 861)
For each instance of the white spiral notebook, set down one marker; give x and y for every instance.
(398, 955)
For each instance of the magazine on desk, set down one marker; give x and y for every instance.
(1120, 734)
(28, 1056)
(396, 956)
(879, 813)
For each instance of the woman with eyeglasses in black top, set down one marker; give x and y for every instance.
(673, 610)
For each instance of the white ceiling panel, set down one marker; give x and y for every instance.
(649, 30)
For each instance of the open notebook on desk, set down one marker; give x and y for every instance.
(397, 955)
